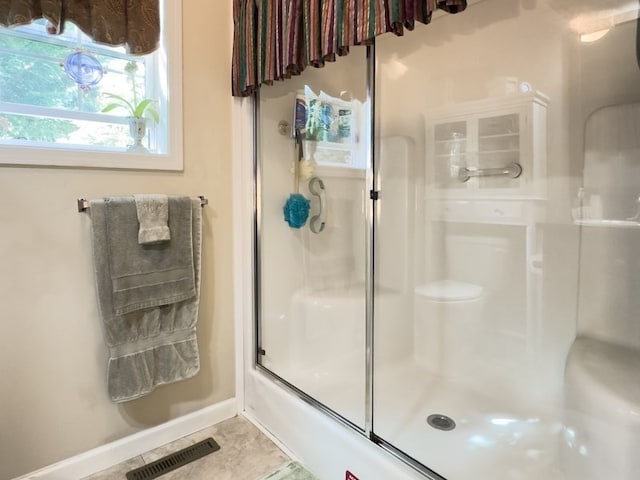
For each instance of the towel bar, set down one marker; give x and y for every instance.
(83, 203)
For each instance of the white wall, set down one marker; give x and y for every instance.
(52, 360)
(608, 301)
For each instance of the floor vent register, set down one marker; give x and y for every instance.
(174, 460)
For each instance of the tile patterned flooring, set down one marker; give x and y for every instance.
(245, 454)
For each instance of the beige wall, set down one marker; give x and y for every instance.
(52, 360)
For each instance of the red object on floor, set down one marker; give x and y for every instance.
(349, 476)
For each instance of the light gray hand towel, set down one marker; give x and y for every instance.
(152, 346)
(153, 217)
(146, 276)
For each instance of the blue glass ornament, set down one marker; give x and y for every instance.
(83, 68)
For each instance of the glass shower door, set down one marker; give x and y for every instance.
(506, 242)
(311, 236)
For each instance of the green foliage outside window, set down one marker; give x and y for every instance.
(31, 77)
(32, 73)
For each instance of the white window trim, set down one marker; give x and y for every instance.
(85, 156)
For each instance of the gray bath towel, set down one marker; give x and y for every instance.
(146, 276)
(151, 346)
(153, 217)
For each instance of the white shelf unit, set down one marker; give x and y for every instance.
(486, 134)
(489, 133)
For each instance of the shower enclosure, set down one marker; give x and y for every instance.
(464, 290)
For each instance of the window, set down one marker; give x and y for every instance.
(63, 99)
(331, 129)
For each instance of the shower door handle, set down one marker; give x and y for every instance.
(317, 222)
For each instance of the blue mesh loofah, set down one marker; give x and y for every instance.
(296, 210)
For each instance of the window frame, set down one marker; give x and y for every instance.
(28, 154)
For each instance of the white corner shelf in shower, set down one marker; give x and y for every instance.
(608, 223)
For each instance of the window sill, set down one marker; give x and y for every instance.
(340, 171)
(107, 158)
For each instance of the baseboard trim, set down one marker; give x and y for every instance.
(97, 459)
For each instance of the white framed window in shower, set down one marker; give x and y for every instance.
(332, 129)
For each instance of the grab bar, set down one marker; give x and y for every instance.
(513, 170)
(317, 222)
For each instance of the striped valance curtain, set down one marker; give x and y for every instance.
(132, 23)
(274, 39)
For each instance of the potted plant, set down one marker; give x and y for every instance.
(137, 110)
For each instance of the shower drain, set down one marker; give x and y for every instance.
(441, 422)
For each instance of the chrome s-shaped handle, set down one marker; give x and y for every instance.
(316, 188)
(513, 170)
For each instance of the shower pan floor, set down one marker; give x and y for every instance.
(492, 433)
(496, 430)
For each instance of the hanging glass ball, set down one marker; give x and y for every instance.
(83, 68)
